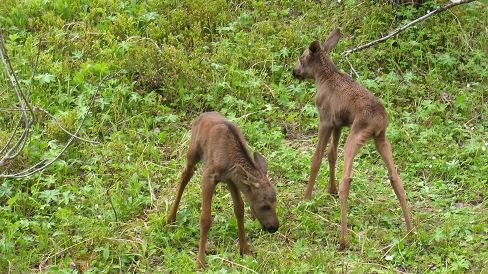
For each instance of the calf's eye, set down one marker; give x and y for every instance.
(266, 207)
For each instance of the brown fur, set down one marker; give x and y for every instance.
(222, 147)
(343, 102)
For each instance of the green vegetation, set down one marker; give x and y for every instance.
(102, 207)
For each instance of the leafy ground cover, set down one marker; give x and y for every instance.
(102, 208)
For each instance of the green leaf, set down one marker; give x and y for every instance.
(44, 78)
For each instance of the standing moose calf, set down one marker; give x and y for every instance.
(343, 102)
(221, 146)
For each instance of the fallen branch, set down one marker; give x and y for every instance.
(41, 165)
(447, 6)
(16, 148)
(15, 143)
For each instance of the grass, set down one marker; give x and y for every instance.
(102, 208)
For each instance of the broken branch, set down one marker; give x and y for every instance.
(447, 6)
(41, 165)
(451, 4)
(15, 144)
(15, 150)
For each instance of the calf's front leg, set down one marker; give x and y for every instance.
(324, 134)
(239, 212)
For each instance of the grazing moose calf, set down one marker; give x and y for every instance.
(221, 146)
(343, 102)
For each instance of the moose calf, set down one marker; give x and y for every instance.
(221, 146)
(343, 102)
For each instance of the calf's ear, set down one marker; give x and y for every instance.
(314, 47)
(247, 178)
(332, 40)
(261, 162)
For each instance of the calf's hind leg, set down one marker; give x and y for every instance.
(384, 148)
(354, 142)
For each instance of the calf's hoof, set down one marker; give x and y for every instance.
(170, 219)
(332, 191)
(342, 246)
(200, 263)
(245, 251)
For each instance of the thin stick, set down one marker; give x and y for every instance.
(144, 38)
(338, 225)
(11, 137)
(41, 265)
(352, 67)
(380, 265)
(11, 109)
(393, 244)
(462, 30)
(451, 4)
(236, 264)
(112, 204)
(34, 68)
(19, 145)
(249, 114)
(65, 130)
(151, 191)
